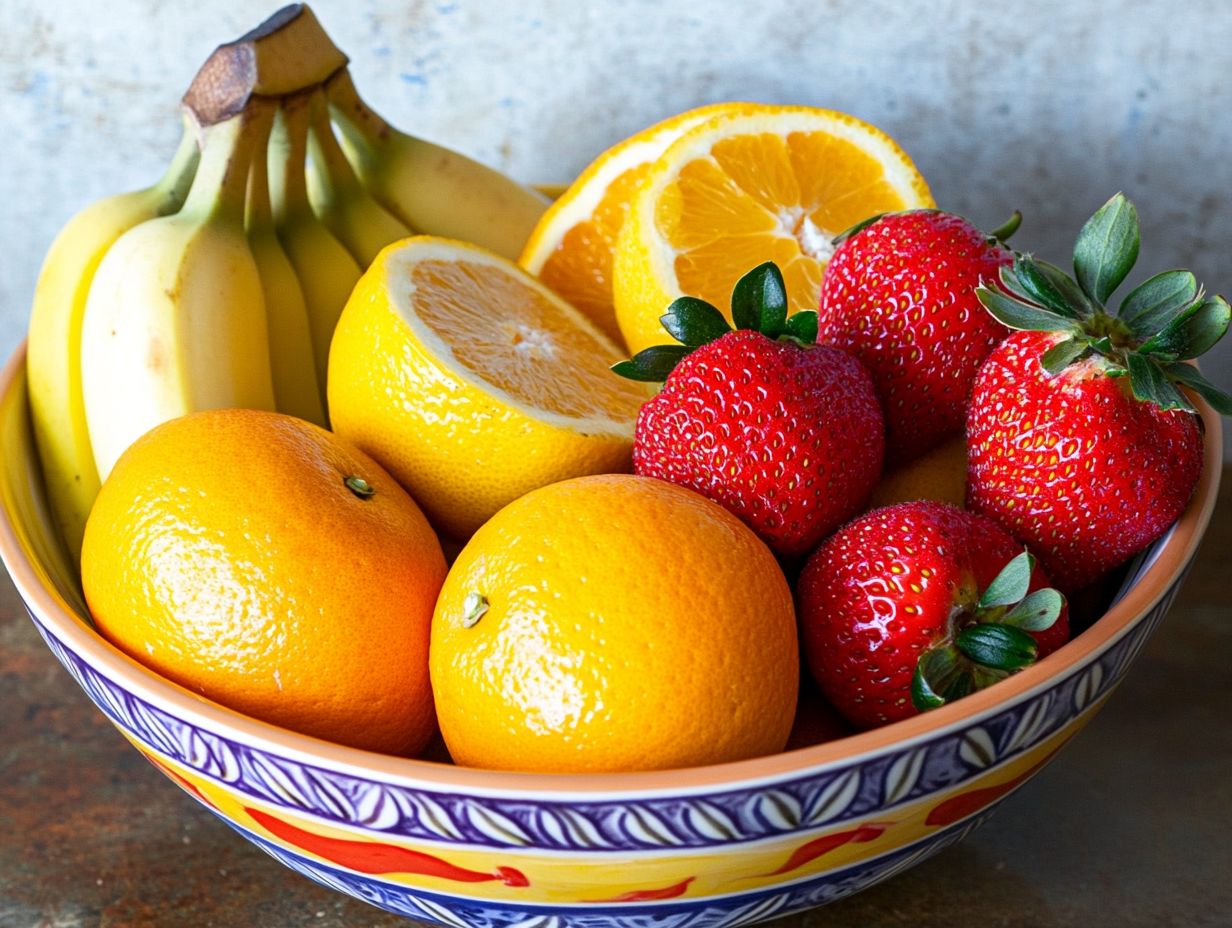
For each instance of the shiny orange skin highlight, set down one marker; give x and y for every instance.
(227, 553)
(631, 625)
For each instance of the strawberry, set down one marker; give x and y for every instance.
(899, 293)
(915, 605)
(1081, 439)
(785, 434)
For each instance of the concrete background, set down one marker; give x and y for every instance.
(1049, 107)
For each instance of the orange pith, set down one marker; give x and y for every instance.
(458, 300)
(228, 553)
(472, 383)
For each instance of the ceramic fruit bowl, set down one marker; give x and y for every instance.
(723, 845)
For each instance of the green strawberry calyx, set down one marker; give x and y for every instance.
(998, 236)
(758, 303)
(988, 641)
(1160, 325)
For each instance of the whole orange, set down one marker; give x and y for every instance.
(613, 623)
(263, 563)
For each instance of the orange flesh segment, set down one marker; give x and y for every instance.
(767, 197)
(513, 337)
(580, 268)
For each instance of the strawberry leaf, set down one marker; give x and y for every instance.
(1107, 248)
(1019, 315)
(1067, 287)
(1040, 289)
(985, 676)
(759, 300)
(694, 322)
(1192, 332)
(1000, 647)
(1155, 302)
(1010, 585)
(1189, 376)
(936, 674)
(652, 365)
(1151, 386)
(802, 328)
(1008, 276)
(1037, 611)
(1063, 354)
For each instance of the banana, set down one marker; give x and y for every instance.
(175, 319)
(337, 196)
(430, 188)
(292, 363)
(325, 269)
(53, 360)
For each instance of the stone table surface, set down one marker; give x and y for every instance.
(1131, 826)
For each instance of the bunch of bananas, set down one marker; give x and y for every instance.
(220, 284)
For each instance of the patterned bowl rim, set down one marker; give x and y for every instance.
(1159, 576)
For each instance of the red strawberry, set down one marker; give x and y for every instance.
(914, 605)
(1079, 440)
(899, 293)
(785, 434)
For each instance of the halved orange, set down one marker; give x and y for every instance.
(571, 247)
(472, 383)
(761, 183)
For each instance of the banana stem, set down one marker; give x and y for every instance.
(288, 149)
(173, 186)
(258, 213)
(288, 52)
(220, 185)
(328, 162)
(357, 121)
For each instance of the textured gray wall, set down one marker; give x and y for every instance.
(1049, 107)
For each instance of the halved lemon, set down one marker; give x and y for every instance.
(473, 383)
(767, 183)
(570, 248)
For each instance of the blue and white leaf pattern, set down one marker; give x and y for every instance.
(496, 826)
(783, 806)
(710, 820)
(834, 798)
(903, 775)
(1033, 724)
(432, 817)
(540, 921)
(647, 828)
(568, 828)
(977, 749)
(273, 778)
(377, 809)
(777, 808)
(1088, 686)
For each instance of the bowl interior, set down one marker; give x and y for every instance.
(24, 498)
(49, 583)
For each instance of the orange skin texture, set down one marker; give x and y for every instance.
(632, 625)
(443, 429)
(226, 553)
